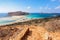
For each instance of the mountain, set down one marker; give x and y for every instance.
(18, 13)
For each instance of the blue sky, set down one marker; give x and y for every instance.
(45, 6)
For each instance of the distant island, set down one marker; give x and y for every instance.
(18, 13)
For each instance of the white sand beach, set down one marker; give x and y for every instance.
(15, 19)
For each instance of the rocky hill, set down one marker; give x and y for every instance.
(37, 29)
(18, 13)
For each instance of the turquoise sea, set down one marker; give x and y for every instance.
(30, 16)
(42, 15)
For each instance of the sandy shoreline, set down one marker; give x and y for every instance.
(45, 29)
(16, 18)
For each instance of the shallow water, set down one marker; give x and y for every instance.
(5, 21)
(41, 15)
(30, 16)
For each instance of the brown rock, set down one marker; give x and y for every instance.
(18, 13)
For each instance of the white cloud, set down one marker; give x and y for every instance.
(53, 0)
(50, 10)
(41, 8)
(5, 9)
(58, 7)
(28, 7)
(45, 9)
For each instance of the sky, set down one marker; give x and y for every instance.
(45, 6)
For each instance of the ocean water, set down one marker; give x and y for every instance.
(42, 15)
(34, 15)
(3, 15)
(30, 16)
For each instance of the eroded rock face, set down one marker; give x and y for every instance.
(53, 25)
(7, 32)
(36, 33)
(32, 31)
(18, 13)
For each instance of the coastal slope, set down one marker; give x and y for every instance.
(36, 29)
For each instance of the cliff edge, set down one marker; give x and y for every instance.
(37, 29)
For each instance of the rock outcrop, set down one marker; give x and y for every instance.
(18, 13)
(37, 29)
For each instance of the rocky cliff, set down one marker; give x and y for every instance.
(18, 13)
(37, 29)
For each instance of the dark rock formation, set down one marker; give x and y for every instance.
(18, 13)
